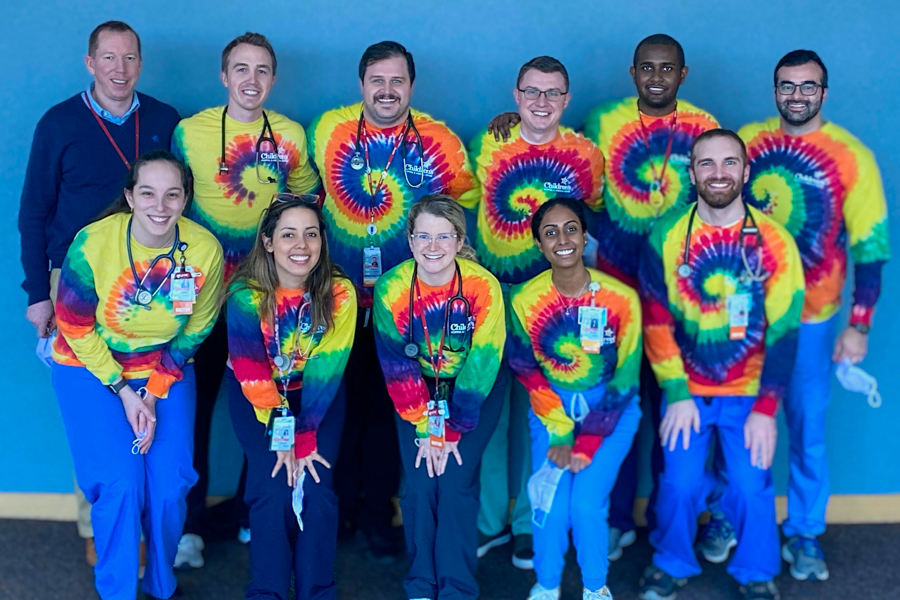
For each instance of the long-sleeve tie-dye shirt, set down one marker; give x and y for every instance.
(230, 203)
(686, 320)
(545, 352)
(823, 186)
(517, 177)
(629, 211)
(319, 357)
(349, 207)
(473, 365)
(102, 326)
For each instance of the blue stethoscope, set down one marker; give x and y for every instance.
(142, 295)
(411, 349)
(748, 227)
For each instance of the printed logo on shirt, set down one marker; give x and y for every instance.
(818, 179)
(563, 187)
(419, 170)
(680, 159)
(281, 157)
(609, 336)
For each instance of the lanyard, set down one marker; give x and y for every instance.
(365, 135)
(435, 360)
(285, 362)
(656, 184)
(113, 142)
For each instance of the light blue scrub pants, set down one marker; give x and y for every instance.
(130, 492)
(748, 501)
(581, 502)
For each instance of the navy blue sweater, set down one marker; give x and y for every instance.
(73, 174)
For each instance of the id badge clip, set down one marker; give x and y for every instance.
(437, 414)
(591, 322)
(281, 430)
(738, 307)
(182, 291)
(371, 265)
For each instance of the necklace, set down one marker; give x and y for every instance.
(562, 297)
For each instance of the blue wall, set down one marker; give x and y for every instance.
(467, 53)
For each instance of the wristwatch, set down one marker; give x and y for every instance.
(117, 387)
(861, 327)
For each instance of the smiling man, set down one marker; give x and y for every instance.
(824, 186)
(239, 156)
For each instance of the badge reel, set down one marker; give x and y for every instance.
(281, 430)
(738, 307)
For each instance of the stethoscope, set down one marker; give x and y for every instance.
(360, 157)
(223, 166)
(411, 349)
(143, 296)
(748, 227)
(285, 362)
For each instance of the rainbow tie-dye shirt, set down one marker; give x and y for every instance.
(686, 320)
(349, 206)
(473, 366)
(230, 204)
(629, 214)
(517, 177)
(314, 380)
(544, 349)
(822, 186)
(104, 329)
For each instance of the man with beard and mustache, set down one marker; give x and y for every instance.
(376, 159)
(722, 291)
(824, 186)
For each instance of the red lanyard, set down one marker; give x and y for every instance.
(657, 178)
(365, 143)
(110, 137)
(435, 360)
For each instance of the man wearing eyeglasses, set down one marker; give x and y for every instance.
(239, 156)
(538, 161)
(824, 186)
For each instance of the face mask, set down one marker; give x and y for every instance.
(297, 498)
(854, 379)
(44, 350)
(541, 490)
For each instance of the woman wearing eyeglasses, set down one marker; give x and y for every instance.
(291, 320)
(439, 329)
(137, 295)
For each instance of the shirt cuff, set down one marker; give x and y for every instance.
(862, 315)
(587, 445)
(766, 405)
(676, 390)
(304, 444)
(159, 384)
(562, 440)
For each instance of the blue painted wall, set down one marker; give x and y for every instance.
(467, 53)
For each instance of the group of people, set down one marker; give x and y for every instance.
(325, 276)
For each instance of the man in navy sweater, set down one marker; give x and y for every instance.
(81, 153)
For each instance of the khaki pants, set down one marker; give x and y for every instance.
(85, 529)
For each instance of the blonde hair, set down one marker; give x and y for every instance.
(442, 205)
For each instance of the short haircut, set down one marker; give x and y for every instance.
(544, 64)
(117, 26)
(383, 51)
(660, 39)
(254, 39)
(801, 57)
(718, 133)
(576, 206)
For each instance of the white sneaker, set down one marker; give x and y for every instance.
(601, 594)
(190, 551)
(541, 593)
(244, 535)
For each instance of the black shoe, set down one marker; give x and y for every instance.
(656, 584)
(760, 590)
(523, 554)
(488, 542)
(382, 550)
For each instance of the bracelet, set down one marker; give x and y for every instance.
(861, 327)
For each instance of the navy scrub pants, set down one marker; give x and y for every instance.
(278, 546)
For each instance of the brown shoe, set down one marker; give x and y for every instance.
(142, 559)
(90, 552)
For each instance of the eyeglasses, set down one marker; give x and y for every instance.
(807, 88)
(309, 199)
(423, 240)
(534, 93)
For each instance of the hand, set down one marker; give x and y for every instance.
(578, 463)
(681, 417)
(560, 455)
(500, 125)
(286, 458)
(147, 426)
(760, 434)
(448, 449)
(431, 455)
(41, 315)
(307, 463)
(850, 344)
(136, 411)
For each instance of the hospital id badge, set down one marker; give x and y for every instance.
(592, 322)
(282, 430)
(371, 265)
(437, 411)
(738, 307)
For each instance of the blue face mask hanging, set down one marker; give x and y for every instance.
(854, 379)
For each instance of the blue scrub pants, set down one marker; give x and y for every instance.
(278, 546)
(748, 501)
(440, 514)
(805, 409)
(581, 503)
(130, 492)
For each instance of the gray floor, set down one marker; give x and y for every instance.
(44, 561)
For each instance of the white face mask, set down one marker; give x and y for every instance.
(44, 349)
(854, 379)
(541, 490)
(297, 497)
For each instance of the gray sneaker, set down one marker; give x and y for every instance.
(806, 558)
(618, 541)
(716, 540)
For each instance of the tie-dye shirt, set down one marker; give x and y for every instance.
(349, 206)
(473, 365)
(230, 204)
(517, 177)
(314, 380)
(544, 350)
(822, 186)
(686, 320)
(629, 213)
(102, 326)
